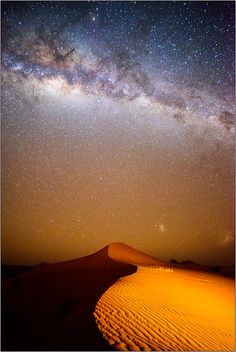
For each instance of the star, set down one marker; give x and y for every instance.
(118, 125)
(162, 227)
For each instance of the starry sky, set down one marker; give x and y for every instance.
(118, 125)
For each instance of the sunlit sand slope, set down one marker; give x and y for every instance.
(156, 309)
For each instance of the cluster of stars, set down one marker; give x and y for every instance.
(112, 112)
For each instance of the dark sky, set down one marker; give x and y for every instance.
(118, 125)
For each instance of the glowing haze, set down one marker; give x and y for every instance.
(118, 125)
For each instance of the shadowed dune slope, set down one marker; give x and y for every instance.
(51, 306)
(8, 271)
(123, 253)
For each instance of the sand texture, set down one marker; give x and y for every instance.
(160, 309)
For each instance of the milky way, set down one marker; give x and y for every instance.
(118, 125)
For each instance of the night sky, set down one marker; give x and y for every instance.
(118, 125)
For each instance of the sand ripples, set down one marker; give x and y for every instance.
(160, 310)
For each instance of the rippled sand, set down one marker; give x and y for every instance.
(160, 309)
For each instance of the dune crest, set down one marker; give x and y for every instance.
(121, 252)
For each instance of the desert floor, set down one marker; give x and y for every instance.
(161, 309)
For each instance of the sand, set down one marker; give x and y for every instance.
(121, 252)
(161, 309)
(51, 306)
(146, 306)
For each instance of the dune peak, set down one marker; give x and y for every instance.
(122, 252)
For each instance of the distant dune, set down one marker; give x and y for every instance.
(51, 306)
(226, 270)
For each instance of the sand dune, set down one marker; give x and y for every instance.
(157, 309)
(63, 306)
(121, 252)
(51, 306)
